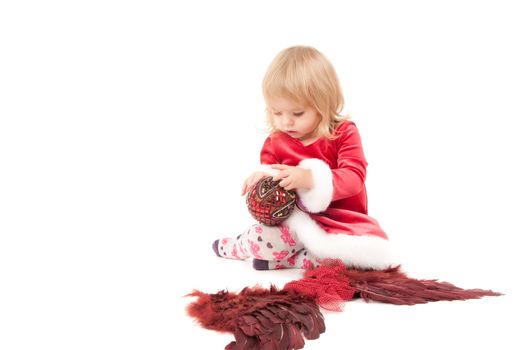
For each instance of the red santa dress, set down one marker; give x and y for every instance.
(334, 221)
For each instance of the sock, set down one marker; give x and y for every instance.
(301, 260)
(229, 248)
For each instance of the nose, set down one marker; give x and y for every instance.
(288, 121)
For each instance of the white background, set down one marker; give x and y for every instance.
(127, 128)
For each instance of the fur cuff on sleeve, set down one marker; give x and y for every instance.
(319, 197)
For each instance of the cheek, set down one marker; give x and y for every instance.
(313, 121)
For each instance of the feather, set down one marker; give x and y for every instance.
(260, 318)
(272, 319)
(333, 283)
(395, 287)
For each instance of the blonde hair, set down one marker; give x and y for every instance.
(306, 76)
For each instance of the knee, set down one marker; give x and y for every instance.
(272, 242)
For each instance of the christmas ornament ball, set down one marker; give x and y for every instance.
(269, 203)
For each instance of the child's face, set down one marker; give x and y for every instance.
(294, 119)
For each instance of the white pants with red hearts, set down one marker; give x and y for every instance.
(276, 244)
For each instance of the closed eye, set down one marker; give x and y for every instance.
(298, 114)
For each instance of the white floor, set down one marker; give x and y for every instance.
(488, 323)
(127, 128)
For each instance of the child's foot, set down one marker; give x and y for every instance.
(260, 264)
(263, 265)
(300, 260)
(229, 248)
(215, 247)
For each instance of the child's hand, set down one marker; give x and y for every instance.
(293, 177)
(251, 180)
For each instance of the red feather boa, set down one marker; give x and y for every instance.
(279, 319)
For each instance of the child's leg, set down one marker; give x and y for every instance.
(281, 249)
(275, 243)
(272, 247)
(300, 260)
(230, 248)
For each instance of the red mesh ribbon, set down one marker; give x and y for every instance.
(279, 319)
(328, 284)
(331, 284)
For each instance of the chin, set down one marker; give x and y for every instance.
(295, 135)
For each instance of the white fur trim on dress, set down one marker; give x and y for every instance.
(366, 252)
(319, 197)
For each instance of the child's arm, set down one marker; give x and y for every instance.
(266, 155)
(251, 180)
(266, 159)
(346, 180)
(350, 174)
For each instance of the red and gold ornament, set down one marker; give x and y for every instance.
(269, 203)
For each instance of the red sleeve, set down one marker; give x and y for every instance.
(349, 176)
(266, 154)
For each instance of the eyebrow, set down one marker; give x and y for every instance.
(292, 110)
